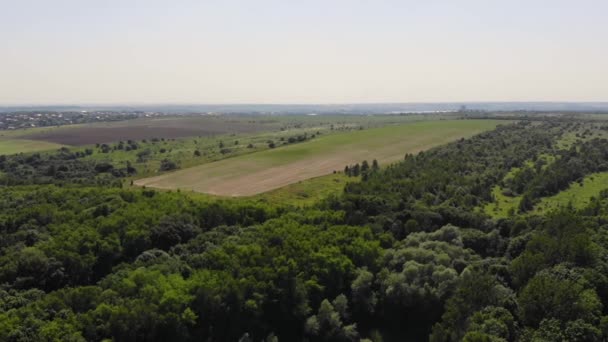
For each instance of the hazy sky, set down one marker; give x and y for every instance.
(305, 51)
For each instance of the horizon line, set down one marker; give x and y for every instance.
(109, 104)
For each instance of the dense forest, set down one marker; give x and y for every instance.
(405, 254)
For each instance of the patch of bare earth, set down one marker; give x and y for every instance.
(145, 129)
(256, 182)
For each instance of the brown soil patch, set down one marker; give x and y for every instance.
(140, 129)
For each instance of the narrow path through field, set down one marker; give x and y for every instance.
(271, 169)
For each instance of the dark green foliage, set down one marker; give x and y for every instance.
(451, 181)
(551, 295)
(167, 165)
(563, 238)
(491, 324)
(62, 167)
(364, 166)
(476, 291)
(173, 230)
(143, 156)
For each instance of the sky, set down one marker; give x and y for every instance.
(301, 51)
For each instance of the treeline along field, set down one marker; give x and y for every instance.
(112, 163)
(263, 171)
(182, 127)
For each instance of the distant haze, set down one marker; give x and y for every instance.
(311, 109)
(314, 51)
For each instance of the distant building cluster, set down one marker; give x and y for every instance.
(23, 119)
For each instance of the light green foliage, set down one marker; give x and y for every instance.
(503, 206)
(494, 323)
(425, 266)
(328, 324)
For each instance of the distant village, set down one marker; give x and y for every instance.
(22, 119)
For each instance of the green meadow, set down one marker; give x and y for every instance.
(13, 146)
(577, 195)
(274, 168)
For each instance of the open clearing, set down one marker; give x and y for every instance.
(12, 146)
(578, 194)
(300, 194)
(503, 206)
(271, 169)
(307, 192)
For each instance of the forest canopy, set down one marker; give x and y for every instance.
(405, 254)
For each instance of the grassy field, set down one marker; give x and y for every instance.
(300, 194)
(13, 146)
(503, 206)
(182, 150)
(190, 140)
(171, 127)
(308, 191)
(578, 194)
(263, 171)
